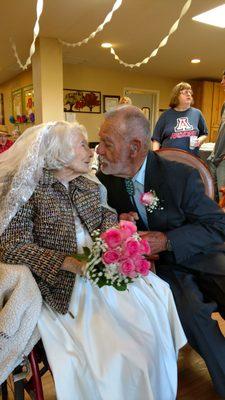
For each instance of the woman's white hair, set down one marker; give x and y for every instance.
(60, 144)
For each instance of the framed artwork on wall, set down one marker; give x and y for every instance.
(2, 118)
(110, 102)
(82, 101)
(28, 101)
(17, 106)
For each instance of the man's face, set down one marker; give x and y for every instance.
(223, 82)
(114, 148)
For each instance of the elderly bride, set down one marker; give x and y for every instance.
(101, 344)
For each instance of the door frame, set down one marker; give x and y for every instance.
(155, 93)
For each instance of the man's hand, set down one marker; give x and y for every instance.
(157, 241)
(131, 216)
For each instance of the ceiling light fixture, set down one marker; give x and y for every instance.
(215, 17)
(106, 45)
(195, 61)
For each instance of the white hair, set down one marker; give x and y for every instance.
(60, 144)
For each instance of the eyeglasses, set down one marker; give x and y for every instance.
(186, 92)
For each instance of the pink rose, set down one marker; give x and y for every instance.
(147, 198)
(132, 247)
(144, 247)
(127, 228)
(112, 237)
(142, 266)
(111, 256)
(127, 268)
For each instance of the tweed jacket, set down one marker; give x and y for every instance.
(43, 233)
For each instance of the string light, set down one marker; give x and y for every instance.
(162, 43)
(107, 19)
(39, 10)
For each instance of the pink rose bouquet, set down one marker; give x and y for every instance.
(118, 256)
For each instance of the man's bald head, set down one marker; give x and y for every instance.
(124, 141)
(133, 123)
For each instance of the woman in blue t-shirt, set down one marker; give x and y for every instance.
(181, 126)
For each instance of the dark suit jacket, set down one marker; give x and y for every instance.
(192, 221)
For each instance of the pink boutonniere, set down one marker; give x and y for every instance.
(151, 201)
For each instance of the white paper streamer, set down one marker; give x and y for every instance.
(39, 9)
(107, 19)
(162, 43)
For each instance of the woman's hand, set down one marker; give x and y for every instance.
(155, 145)
(132, 216)
(197, 143)
(70, 264)
(200, 140)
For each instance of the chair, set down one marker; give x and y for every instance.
(33, 384)
(18, 324)
(184, 157)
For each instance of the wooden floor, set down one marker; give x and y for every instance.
(194, 380)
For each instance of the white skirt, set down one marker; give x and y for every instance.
(115, 345)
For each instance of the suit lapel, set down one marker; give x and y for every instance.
(158, 219)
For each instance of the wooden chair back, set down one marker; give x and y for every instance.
(184, 157)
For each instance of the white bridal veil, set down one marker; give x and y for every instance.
(21, 169)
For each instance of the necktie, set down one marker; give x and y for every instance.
(129, 187)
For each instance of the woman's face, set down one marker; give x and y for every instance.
(185, 98)
(83, 154)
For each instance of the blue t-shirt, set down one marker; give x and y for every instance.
(174, 128)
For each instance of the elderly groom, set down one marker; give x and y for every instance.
(185, 227)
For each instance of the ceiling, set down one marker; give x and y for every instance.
(135, 30)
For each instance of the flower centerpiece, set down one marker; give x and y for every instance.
(117, 257)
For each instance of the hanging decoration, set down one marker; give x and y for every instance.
(107, 19)
(162, 43)
(39, 9)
